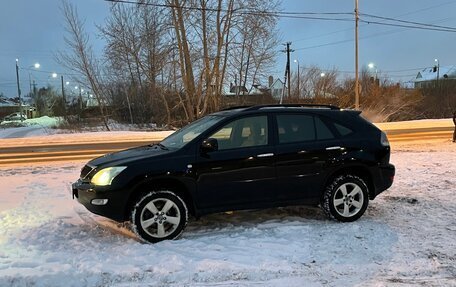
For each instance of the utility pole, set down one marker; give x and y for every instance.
(287, 71)
(438, 71)
(356, 57)
(299, 79)
(63, 93)
(18, 89)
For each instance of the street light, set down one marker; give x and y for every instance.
(18, 89)
(438, 69)
(54, 75)
(322, 75)
(299, 79)
(372, 66)
(36, 66)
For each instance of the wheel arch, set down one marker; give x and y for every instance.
(156, 184)
(357, 170)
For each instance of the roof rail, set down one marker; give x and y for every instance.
(331, 107)
(235, 107)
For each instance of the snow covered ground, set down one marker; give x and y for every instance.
(29, 128)
(406, 238)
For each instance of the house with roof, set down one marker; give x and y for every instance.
(274, 88)
(429, 75)
(7, 106)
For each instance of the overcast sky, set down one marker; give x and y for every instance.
(32, 31)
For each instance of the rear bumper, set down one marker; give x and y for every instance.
(116, 200)
(383, 179)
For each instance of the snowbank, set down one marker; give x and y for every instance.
(44, 121)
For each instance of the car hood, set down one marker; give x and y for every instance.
(126, 156)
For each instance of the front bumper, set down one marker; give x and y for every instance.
(114, 209)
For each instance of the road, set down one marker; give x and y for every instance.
(79, 151)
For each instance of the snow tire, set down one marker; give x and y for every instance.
(345, 198)
(159, 215)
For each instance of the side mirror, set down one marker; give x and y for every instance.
(209, 145)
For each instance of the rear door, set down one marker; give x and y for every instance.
(305, 147)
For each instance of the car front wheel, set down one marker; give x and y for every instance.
(159, 215)
(345, 198)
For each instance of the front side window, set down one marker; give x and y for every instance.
(189, 132)
(245, 132)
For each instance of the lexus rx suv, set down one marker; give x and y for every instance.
(242, 158)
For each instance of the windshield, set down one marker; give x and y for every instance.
(181, 137)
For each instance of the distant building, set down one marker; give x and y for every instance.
(8, 106)
(429, 75)
(5, 102)
(237, 90)
(274, 88)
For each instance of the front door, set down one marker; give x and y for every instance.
(241, 173)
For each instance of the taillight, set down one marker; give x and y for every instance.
(384, 139)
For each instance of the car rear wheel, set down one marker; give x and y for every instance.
(159, 215)
(345, 198)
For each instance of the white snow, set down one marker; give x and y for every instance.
(43, 121)
(406, 238)
(29, 128)
(89, 137)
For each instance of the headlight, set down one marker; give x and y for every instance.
(106, 175)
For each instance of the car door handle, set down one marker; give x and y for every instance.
(265, 155)
(334, 148)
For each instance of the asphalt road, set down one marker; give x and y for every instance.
(84, 151)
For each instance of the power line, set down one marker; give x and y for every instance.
(409, 22)
(389, 32)
(392, 31)
(249, 11)
(407, 26)
(305, 15)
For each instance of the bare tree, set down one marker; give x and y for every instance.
(81, 59)
(209, 37)
(254, 43)
(138, 51)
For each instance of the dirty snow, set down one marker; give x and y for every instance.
(406, 238)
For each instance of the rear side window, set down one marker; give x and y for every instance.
(295, 128)
(302, 128)
(323, 132)
(343, 130)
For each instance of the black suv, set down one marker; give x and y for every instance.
(242, 158)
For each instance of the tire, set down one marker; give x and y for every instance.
(345, 198)
(159, 215)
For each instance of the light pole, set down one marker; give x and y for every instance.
(322, 76)
(63, 92)
(438, 70)
(356, 57)
(18, 89)
(36, 66)
(299, 79)
(372, 66)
